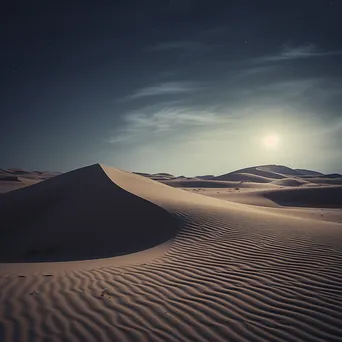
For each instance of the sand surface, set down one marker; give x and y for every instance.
(203, 268)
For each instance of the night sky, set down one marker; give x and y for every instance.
(181, 86)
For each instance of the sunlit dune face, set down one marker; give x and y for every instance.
(270, 141)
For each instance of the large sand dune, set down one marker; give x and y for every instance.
(79, 215)
(281, 175)
(233, 272)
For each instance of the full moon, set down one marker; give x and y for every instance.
(270, 141)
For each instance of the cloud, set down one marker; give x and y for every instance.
(231, 108)
(167, 88)
(300, 91)
(298, 52)
(303, 51)
(153, 121)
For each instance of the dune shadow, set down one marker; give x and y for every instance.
(317, 197)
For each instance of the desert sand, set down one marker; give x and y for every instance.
(101, 254)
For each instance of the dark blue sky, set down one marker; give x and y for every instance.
(181, 86)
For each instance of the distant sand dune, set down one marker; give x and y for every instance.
(290, 182)
(264, 174)
(309, 173)
(280, 175)
(279, 169)
(305, 196)
(198, 183)
(12, 179)
(245, 177)
(8, 178)
(321, 197)
(325, 180)
(203, 184)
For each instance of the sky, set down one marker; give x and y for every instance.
(188, 87)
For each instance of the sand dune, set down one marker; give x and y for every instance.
(309, 173)
(29, 174)
(79, 215)
(281, 175)
(198, 183)
(157, 176)
(245, 177)
(313, 196)
(321, 197)
(12, 179)
(290, 182)
(232, 272)
(279, 169)
(206, 177)
(252, 196)
(8, 178)
(325, 180)
(332, 175)
(330, 212)
(213, 184)
(264, 174)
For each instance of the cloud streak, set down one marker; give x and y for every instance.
(298, 52)
(167, 88)
(163, 120)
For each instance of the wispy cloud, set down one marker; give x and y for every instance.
(180, 120)
(167, 88)
(166, 119)
(301, 92)
(298, 52)
(303, 51)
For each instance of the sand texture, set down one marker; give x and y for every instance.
(121, 257)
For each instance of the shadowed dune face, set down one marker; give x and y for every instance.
(279, 169)
(321, 197)
(8, 178)
(79, 215)
(195, 183)
(289, 182)
(204, 184)
(309, 173)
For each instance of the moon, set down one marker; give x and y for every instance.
(270, 141)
